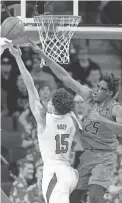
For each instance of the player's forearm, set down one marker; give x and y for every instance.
(56, 68)
(28, 80)
(115, 127)
(64, 76)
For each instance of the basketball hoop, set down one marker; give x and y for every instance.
(55, 43)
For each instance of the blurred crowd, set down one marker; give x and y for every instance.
(26, 173)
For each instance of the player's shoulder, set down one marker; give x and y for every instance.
(115, 105)
(116, 108)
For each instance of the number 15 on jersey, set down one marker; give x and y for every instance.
(62, 144)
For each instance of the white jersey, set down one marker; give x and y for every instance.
(56, 140)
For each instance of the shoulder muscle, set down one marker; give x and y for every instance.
(117, 113)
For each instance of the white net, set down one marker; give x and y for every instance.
(55, 43)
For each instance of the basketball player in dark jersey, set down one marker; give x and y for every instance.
(99, 128)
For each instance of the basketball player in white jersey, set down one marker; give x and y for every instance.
(56, 132)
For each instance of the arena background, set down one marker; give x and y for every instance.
(107, 54)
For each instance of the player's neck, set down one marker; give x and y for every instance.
(106, 101)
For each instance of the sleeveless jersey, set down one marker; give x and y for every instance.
(56, 140)
(96, 134)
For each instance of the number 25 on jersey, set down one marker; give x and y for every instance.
(61, 143)
(92, 128)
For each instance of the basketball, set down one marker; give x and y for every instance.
(12, 28)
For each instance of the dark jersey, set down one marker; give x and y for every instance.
(96, 134)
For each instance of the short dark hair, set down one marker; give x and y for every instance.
(22, 162)
(112, 82)
(63, 101)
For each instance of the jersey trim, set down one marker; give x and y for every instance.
(51, 186)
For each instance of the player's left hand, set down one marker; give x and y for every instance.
(94, 115)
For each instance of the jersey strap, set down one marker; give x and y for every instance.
(74, 116)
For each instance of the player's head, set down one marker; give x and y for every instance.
(107, 88)
(26, 169)
(61, 103)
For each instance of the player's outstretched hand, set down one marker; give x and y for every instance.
(16, 52)
(94, 115)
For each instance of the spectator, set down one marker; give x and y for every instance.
(72, 52)
(120, 184)
(27, 53)
(13, 171)
(94, 75)
(45, 92)
(40, 76)
(28, 64)
(6, 68)
(21, 101)
(79, 107)
(19, 188)
(29, 135)
(80, 67)
(34, 192)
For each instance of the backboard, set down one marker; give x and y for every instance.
(87, 29)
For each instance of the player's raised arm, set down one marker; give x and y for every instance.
(34, 100)
(82, 90)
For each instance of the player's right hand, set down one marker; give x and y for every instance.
(16, 52)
